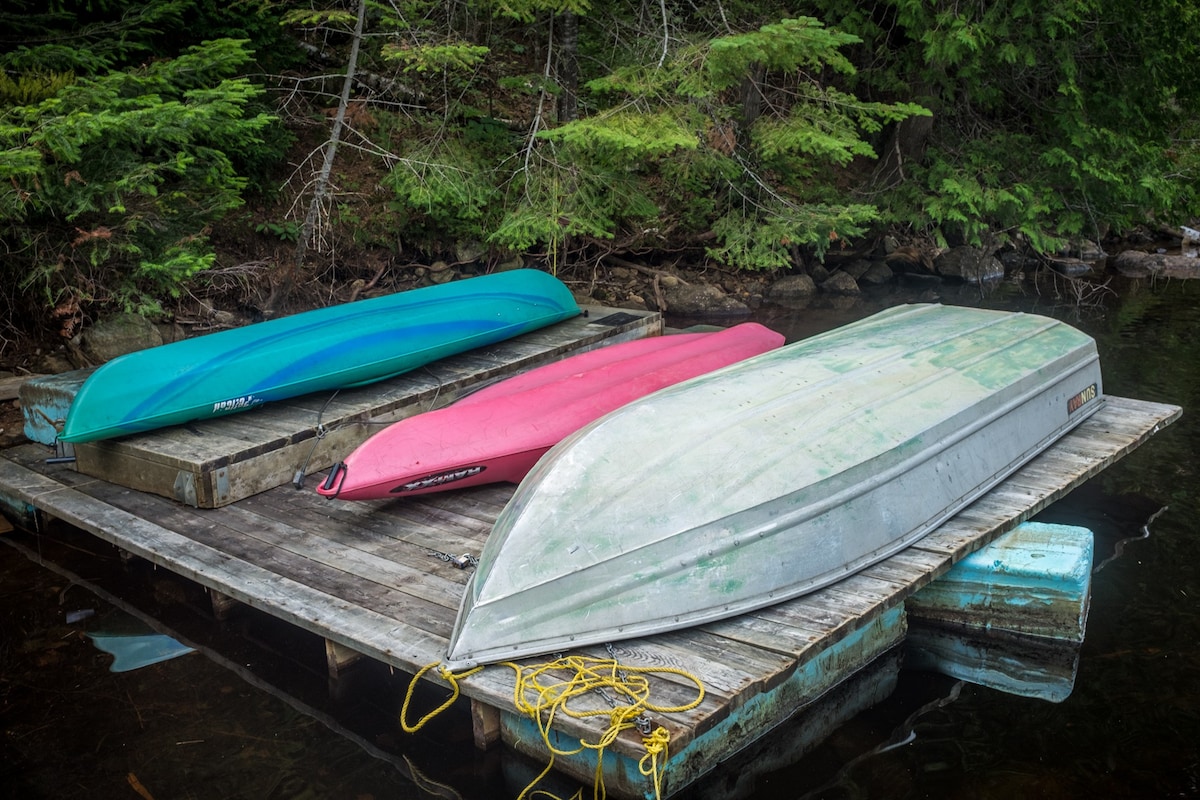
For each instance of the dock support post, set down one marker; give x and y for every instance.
(339, 657)
(485, 724)
(222, 605)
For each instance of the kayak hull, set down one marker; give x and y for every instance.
(771, 478)
(498, 433)
(325, 349)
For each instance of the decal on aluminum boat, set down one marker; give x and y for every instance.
(1080, 400)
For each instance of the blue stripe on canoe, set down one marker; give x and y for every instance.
(311, 365)
(304, 352)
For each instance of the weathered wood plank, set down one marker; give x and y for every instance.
(283, 597)
(416, 597)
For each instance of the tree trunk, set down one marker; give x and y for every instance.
(751, 99)
(568, 67)
(281, 291)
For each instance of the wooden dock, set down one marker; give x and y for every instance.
(371, 579)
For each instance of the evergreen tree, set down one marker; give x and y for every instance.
(118, 157)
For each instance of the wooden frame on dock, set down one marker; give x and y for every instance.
(215, 462)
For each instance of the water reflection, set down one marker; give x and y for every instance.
(1019, 665)
(131, 642)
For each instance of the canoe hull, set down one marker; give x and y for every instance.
(772, 478)
(329, 348)
(498, 433)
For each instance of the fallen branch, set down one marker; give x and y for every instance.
(654, 273)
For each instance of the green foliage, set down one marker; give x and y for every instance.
(567, 197)
(1053, 118)
(274, 49)
(834, 134)
(449, 56)
(165, 275)
(32, 87)
(979, 207)
(312, 17)
(764, 240)
(765, 168)
(114, 180)
(285, 231)
(625, 135)
(527, 10)
(448, 187)
(667, 152)
(751, 127)
(82, 37)
(792, 44)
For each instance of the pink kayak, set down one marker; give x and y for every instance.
(498, 433)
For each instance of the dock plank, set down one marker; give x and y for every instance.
(281, 596)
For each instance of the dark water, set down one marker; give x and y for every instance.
(249, 715)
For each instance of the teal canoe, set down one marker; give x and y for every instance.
(329, 348)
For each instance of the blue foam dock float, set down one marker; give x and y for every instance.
(45, 401)
(1010, 616)
(1033, 581)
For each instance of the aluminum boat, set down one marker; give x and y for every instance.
(770, 478)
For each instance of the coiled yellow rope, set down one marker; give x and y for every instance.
(544, 691)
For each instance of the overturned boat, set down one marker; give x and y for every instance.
(770, 478)
(328, 348)
(498, 433)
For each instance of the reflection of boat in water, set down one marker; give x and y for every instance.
(328, 348)
(771, 478)
(498, 433)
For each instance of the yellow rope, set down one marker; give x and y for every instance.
(542, 694)
(544, 691)
(656, 745)
(449, 677)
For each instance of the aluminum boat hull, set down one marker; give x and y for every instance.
(771, 478)
(328, 348)
(498, 433)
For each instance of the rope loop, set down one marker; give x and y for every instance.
(656, 745)
(449, 677)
